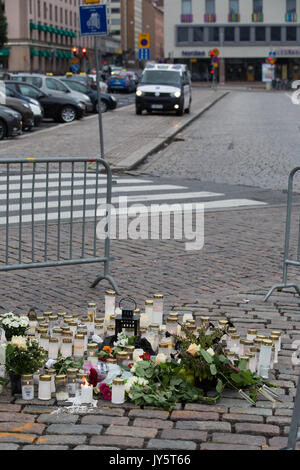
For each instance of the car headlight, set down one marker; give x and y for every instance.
(139, 93)
(177, 94)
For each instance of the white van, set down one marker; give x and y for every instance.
(164, 87)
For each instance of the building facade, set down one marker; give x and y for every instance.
(245, 33)
(43, 33)
(153, 23)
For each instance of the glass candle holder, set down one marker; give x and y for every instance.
(66, 349)
(44, 389)
(75, 317)
(187, 316)
(230, 355)
(129, 332)
(27, 385)
(61, 385)
(46, 315)
(86, 395)
(71, 379)
(171, 325)
(44, 341)
(99, 327)
(85, 336)
(33, 324)
(252, 361)
(53, 322)
(61, 316)
(80, 380)
(277, 333)
(222, 323)
(204, 321)
(251, 335)
(53, 348)
(67, 334)
(92, 353)
(158, 309)
(73, 327)
(110, 304)
(136, 354)
(149, 310)
(163, 348)
(110, 331)
(265, 358)
(52, 373)
(143, 332)
(275, 340)
(144, 320)
(235, 343)
(36, 376)
(79, 345)
(152, 336)
(40, 331)
(129, 350)
(118, 391)
(57, 333)
(92, 311)
(122, 358)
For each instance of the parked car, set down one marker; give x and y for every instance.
(121, 82)
(35, 106)
(133, 76)
(10, 122)
(103, 85)
(21, 107)
(107, 101)
(59, 108)
(53, 86)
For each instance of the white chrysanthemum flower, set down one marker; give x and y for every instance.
(210, 351)
(134, 381)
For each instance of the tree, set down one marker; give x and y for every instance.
(3, 27)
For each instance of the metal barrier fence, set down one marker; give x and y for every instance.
(288, 262)
(294, 435)
(37, 237)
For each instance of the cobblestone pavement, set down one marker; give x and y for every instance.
(246, 138)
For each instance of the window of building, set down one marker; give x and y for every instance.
(213, 34)
(234, 7)
(61, 15)
(186, 7)
(291, 6)
(210, 7)
(115, 10)
(50, 11)
(257, 6)
(275, 33)
(39, 8)
(291, 33)
(182, 34)
(55, 14)
(66, 16)
(229, 34)
(198, 34)
(260, 33)
(45, 10)
(244, 33)
(115, 20)
(71, 19)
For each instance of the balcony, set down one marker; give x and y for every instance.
(291, 17)
(257, 17)
(233, 17)
(210, 18)
(186, 18)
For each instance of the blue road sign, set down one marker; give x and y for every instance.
(144, 54)
(75, 68)
(93, 20)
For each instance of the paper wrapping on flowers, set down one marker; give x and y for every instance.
(114, 372)
(2, 353)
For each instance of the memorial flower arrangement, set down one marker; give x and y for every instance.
(24, 356)
(14, 325)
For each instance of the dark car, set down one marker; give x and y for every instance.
(21, 107)
(121, 82)
(35, 106)
(61, 109)
(107, 101)
(10, 122)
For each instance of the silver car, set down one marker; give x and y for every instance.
(53, 86)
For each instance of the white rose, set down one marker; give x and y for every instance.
(19, 341)
(210, 351)
(160, 358)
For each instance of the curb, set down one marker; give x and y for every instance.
(132, 162)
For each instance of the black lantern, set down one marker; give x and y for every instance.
(127, 319)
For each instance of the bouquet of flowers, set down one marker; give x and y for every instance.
(14, 325)
(24, 356)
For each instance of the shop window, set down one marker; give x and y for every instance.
(275, 33)
(229, 34)
(186, 7)
(182, 34)
(260, 33)
(291, 33)
(213, 34)
(198, 34)
(245, 33)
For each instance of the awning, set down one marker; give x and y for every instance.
(33, 25)
(34, 53)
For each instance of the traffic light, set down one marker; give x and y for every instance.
(75, 50)
(211, 53)
(84, 51)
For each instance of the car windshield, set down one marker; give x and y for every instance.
(161, 77)
(36, 81)
(76, 86)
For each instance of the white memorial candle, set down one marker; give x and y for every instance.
(86, 393)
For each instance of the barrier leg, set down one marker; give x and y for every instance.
(294, 436)
(280, 287)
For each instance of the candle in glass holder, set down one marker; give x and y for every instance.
(85, 336)
(149, 310)
(252, 360)
(187, 316)
(92, 353)
(277, 333)
(78, 345)
(158, 309)
(44, 342)
(204, 321)
(86, 395)
(110, 304)
(73, 327)
(53, 348)
(66, 349)
(44, 390)
(123, 358)
(163, 348)
(52, 373)
(53, 322)
(129, 350)
(235, 343)
(152, 336)
(171, 325)
(61, 385)
(75, 317)
(118, 391)
(275, 340)
(251, 335)
(57, 333)
(27, 384)
(99, 327)
(80, 380)
(144, 320)
(137, 353)
(61, 316)
(265, 358)
(92, 311)
(71, 376)
(36, 376)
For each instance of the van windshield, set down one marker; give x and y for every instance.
(161, 77)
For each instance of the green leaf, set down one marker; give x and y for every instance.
(219, 386)
(206, 356)
(213, 369)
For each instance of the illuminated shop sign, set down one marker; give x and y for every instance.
(193, 53)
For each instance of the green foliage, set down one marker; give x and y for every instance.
(62, 364)
(25, 361)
